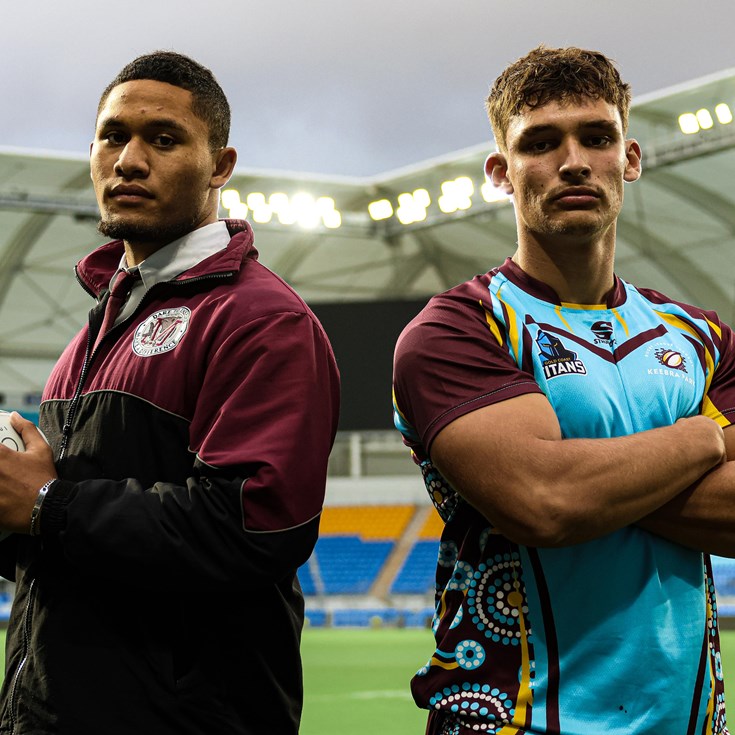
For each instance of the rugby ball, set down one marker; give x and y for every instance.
(9, 437)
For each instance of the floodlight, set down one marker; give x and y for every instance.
(324, 204)
(302, 203)
(286, 216)
(464, 186)
(492, 193)
(278, 201)
(724, 114)
(380, 209)
(688, 123)
(239, 211)
(422, 198)
(447, 203)
(255, 200)
(409, 209)
(262, 214)
(304, 210)
(456, 194)
(332, 219)
(230, 198)
(704, 118)
(281, 207)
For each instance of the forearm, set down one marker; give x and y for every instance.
(702, 517)
(559, 492)
(167, 534)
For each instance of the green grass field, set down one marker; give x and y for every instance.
(356, 681)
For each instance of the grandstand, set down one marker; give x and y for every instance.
(366, 253)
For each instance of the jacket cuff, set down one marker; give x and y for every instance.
(53, 514)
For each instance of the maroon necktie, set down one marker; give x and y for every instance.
(118, 295)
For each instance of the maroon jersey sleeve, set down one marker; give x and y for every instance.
(448, 363)
(721, 393)
(718, 342)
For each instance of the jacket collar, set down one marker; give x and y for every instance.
(95, 270)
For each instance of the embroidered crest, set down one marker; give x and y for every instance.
(161, 331)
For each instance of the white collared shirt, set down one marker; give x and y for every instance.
(172, 259)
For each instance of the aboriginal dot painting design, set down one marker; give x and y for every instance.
(471, 702)
(481, 673)
(495, 600)
(717, 703)
(447, 554)
(445, 499)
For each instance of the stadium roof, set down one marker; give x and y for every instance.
(676, 232)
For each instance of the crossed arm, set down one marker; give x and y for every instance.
(510, 462)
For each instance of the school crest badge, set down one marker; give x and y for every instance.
(161, 331)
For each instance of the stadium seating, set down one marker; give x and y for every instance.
(723, 570)
(349, 565)
(416, 576)
(355, 545)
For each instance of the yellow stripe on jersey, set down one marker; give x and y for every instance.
(448, 665)
(492, 323)
(711, 700)
(513, 335)
(708, 408)
(622, 322)
(395, 405)
(525, 692)
(557, 309)
(711, 411)
(583, 307)
(679, 323)
(714, 327)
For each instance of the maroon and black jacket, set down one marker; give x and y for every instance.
(161, 596)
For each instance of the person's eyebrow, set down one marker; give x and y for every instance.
(168, 123)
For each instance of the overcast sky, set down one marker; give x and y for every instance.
(336, 87)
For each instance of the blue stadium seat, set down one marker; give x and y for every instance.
(363, 618)
(349, 565)
(723, 570)
(317, 618)
(417, 573)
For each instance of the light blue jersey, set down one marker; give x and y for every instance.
(617, 635)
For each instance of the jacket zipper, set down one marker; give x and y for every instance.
(24, 657)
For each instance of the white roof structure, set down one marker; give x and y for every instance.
(676, 232)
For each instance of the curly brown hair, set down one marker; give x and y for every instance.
(559, 74)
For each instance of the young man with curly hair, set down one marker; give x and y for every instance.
(574, 433)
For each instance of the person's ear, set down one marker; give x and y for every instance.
(224, 164)
(496, 171)
(633, 156)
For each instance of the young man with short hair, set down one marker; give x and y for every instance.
(574, 434)
(190, 423)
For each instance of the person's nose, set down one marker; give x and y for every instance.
(575, 162)
(133, 163)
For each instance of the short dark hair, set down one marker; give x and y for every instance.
(209, 102)
(558, 74)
